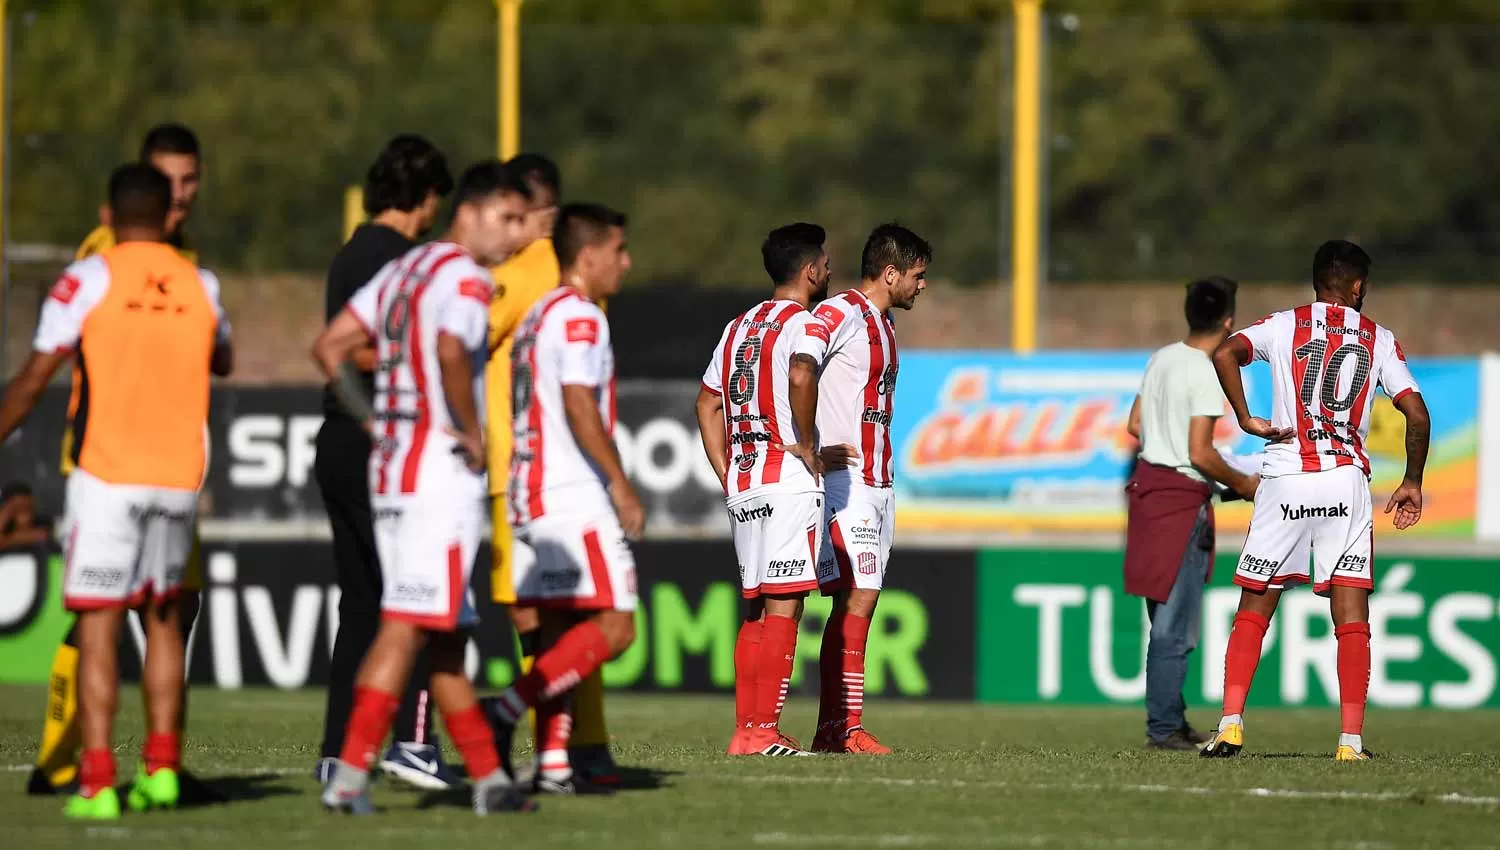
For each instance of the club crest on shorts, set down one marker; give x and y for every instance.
(866, 563)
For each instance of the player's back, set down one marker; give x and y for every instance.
(432, 289)
(1326, 362)
(146, 322)
(563, 341)
(750, 368)
(857, 387)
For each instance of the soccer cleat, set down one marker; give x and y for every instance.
(496, 793)
(574, 785)
(420, 766)
(104, 805)
(594, 764)
(787, 740)
(740, 744)
(1225, 743)
(38, 785)
(1347, 753)
(323, 772)
(159, 789)
(855, 740)
(347, 791)
(771, 742)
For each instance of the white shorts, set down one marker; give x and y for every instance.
(1325, 512)
(574, 563)
(427, 544)
(777, 538)
(124, 542)
(861, 521)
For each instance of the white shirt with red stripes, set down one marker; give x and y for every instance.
(432, 289)
(1326, 361)
(563, 341)
(751, 369)
(857, 389)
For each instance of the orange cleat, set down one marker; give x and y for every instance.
(857, 741)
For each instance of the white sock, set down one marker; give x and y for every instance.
(1230, 720)
(1355, 741)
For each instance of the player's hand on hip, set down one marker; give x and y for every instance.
(1407, 503)
(809, 457)
(1247, 488)
(1258, 427)
(470, 447)
(628, 508)
(839, 456)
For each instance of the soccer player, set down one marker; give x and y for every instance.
(148, 330)
(403, 190)
(173, 150)
(856, 397)
(1326, 361)
(571, 505)
(428, 315)
(756, 414)
(520, 282)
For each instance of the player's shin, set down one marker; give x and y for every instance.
(1240, 660)
(746, 655)
(98, 694)
(778, 645)
(554, 721)
(162, 678)
(580, 651)
(1354, 682)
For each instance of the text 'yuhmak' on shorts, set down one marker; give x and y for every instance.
(1324, 517)
(123, 543)
(427, 546)
(861, 522)
(574, 563)
(777, 539)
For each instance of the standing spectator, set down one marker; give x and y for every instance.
(1169, 544)
(403, 190)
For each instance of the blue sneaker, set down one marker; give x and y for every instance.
(323, 773)
(420, 766)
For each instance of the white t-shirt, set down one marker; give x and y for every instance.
(1179, 383)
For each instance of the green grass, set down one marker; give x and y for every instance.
(964, 776)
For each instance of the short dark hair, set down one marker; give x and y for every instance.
(168, 138)
(789, 248)
(404, 173)
(538, 171)
(139, 196)
(1339, 263)
(581, 225)
(891, 244)
(1209, 302)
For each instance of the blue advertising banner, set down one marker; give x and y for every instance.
(995, 441)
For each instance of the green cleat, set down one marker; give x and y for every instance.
(157, 790)
(104, 805)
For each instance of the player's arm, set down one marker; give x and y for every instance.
(331, 352)
(1133, 424)
(585, 345)
(58, 333)
(1207, 460)
(711, 429)
(802, 380)
(1396, 380)
(23, 391)
(456, 365)
(1231, 355)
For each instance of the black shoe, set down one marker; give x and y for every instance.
(1192, 735)
(38, 785)
(595, 764)
(496, 794)
(1174, 741)
(504, 731)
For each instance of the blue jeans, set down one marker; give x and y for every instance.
(1174, 633)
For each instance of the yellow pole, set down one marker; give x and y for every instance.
(1026, 165)
(510, 77)
(354, 208)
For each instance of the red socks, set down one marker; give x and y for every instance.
(369, 723)
(1354, 674)
(96, 771)
(472, 736)
(162, 749)
(1242, 657)
(581, 651)
(554, 723)
(746, 650)
(778, 643)
(841, 666)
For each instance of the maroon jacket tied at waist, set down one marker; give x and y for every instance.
(1163, 509)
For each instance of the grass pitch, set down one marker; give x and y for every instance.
(963, 776)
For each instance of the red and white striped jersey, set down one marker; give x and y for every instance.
(431, 289)
(750, 369)
(563, 341)
(857, 389)
(1325, 361)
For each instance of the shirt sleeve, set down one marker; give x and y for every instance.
(1260, 336)
(713, 376)
(364, 305)
(1395, 376)
(810, 336)
(1205, 396)
(80, 288)
(584, 336)
(466, 313)
(222, 334)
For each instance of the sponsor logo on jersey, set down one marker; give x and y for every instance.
(582, 330)
(743, 437)
(747, 460)
(877, 417)
(415, 591)
(866, 563)
(1289, 512)
(1317, 434)
(567, 578)
(144, 513)
(762, 511)
(786, 569)
(64, 290)
(102, 577)
(1352, 564)
(1256, 565)
(864, 531)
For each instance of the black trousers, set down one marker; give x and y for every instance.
(343, 453)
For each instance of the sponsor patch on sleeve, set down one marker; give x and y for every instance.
(829, 315)
(818, 329)
(476, 289)
(64, 290)
(582, 330)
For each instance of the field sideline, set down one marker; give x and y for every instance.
(964, 776)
